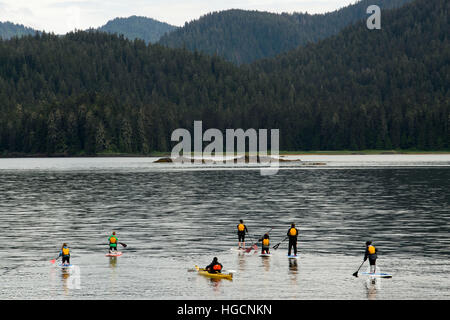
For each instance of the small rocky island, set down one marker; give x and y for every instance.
(244, 159)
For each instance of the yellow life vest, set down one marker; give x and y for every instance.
(371, 249)
(65, 251)
(293, 232)
(241, 227)
(265, 242)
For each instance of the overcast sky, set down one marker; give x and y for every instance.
(61, 16)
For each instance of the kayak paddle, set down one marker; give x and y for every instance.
(230, 271)
(356, 273)
(278, 244)
(254, 245)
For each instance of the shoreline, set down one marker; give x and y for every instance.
(281, 153)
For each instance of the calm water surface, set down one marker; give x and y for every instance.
(173, 218)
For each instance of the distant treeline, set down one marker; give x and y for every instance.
(9, 30)
(134, 27)
(90, 92)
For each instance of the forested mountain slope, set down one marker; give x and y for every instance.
(370, 88)
(9, 30)
(244, 36)
(90, 92)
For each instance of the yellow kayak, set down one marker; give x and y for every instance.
(205, 273)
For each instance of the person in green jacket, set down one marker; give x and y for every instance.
(113, 241)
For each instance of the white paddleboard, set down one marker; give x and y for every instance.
(292, 256)
(114, 254)
(265, 254)
(377, 275)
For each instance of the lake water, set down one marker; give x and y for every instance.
(174, 217)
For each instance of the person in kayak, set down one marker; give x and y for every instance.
(242, 230)
(371, 254)
(265, 243)
(65, 254)
(292, 235)
(214, 267)
(113, 241)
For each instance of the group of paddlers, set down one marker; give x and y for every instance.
(292, 235)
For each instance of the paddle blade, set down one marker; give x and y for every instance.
(355, 274)
(251, 247)
(53, 261)
(123, 244)
(255, 247)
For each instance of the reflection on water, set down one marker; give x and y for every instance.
(112, 262)
(293, 272)
(266, 263)
(174, 219)
(371, 287)
(241, 261)
(65, 275)
(293, 266)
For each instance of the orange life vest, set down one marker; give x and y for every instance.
(217, 267)
(241, 227)
(265, 242)
(113, 239)
(371, 249)
(292, 232)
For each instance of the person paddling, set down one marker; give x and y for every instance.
(265, 243)
(242, 230)
(113, 241)
(292, 235)
(214, 267)
(65, 254)
(371, 254)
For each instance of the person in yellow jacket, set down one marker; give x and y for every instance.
(265, 240)
(242, 230)
(292, 235)
(65, 254)
(371, 254)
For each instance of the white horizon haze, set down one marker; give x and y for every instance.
(62, 16)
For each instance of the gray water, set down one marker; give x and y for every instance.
(173, 218)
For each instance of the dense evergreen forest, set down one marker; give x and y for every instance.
(92, 92)
(9, 30)
(376, 89)
(245, 36)
(134, 27)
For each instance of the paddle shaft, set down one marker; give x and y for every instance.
(278, 244)
(356, 273)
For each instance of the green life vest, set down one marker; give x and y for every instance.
(113, 241)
